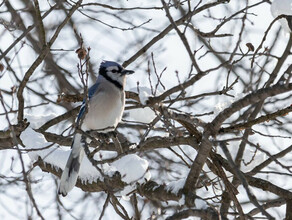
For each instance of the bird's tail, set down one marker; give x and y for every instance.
(70, 173)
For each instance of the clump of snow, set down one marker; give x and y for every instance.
(175, 186)
(182, 200)
(144, 115)
(131, 167)
(57, 156)
(280, 7)
(37, 121)
(34, 140)
(143, 96)
(220, 106)
(201, 204)
(103, 155)
(143, 92)
(133, 146)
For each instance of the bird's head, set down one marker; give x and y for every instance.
(114, 72)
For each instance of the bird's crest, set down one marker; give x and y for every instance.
(106, 64)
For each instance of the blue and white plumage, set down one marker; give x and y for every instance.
(105, 108)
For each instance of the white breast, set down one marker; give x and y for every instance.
(105, 109)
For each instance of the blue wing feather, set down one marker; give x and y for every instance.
(91, 92)
(92, 89)
(81, 112)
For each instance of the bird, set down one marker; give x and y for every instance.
(103, 112)
(283, 7)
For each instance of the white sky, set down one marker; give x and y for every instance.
(111, 47)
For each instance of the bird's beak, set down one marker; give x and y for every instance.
(127, 72)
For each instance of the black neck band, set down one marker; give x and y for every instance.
(116, 83)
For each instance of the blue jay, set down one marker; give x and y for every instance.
(105, 108)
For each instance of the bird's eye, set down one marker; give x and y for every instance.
(114, 71)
